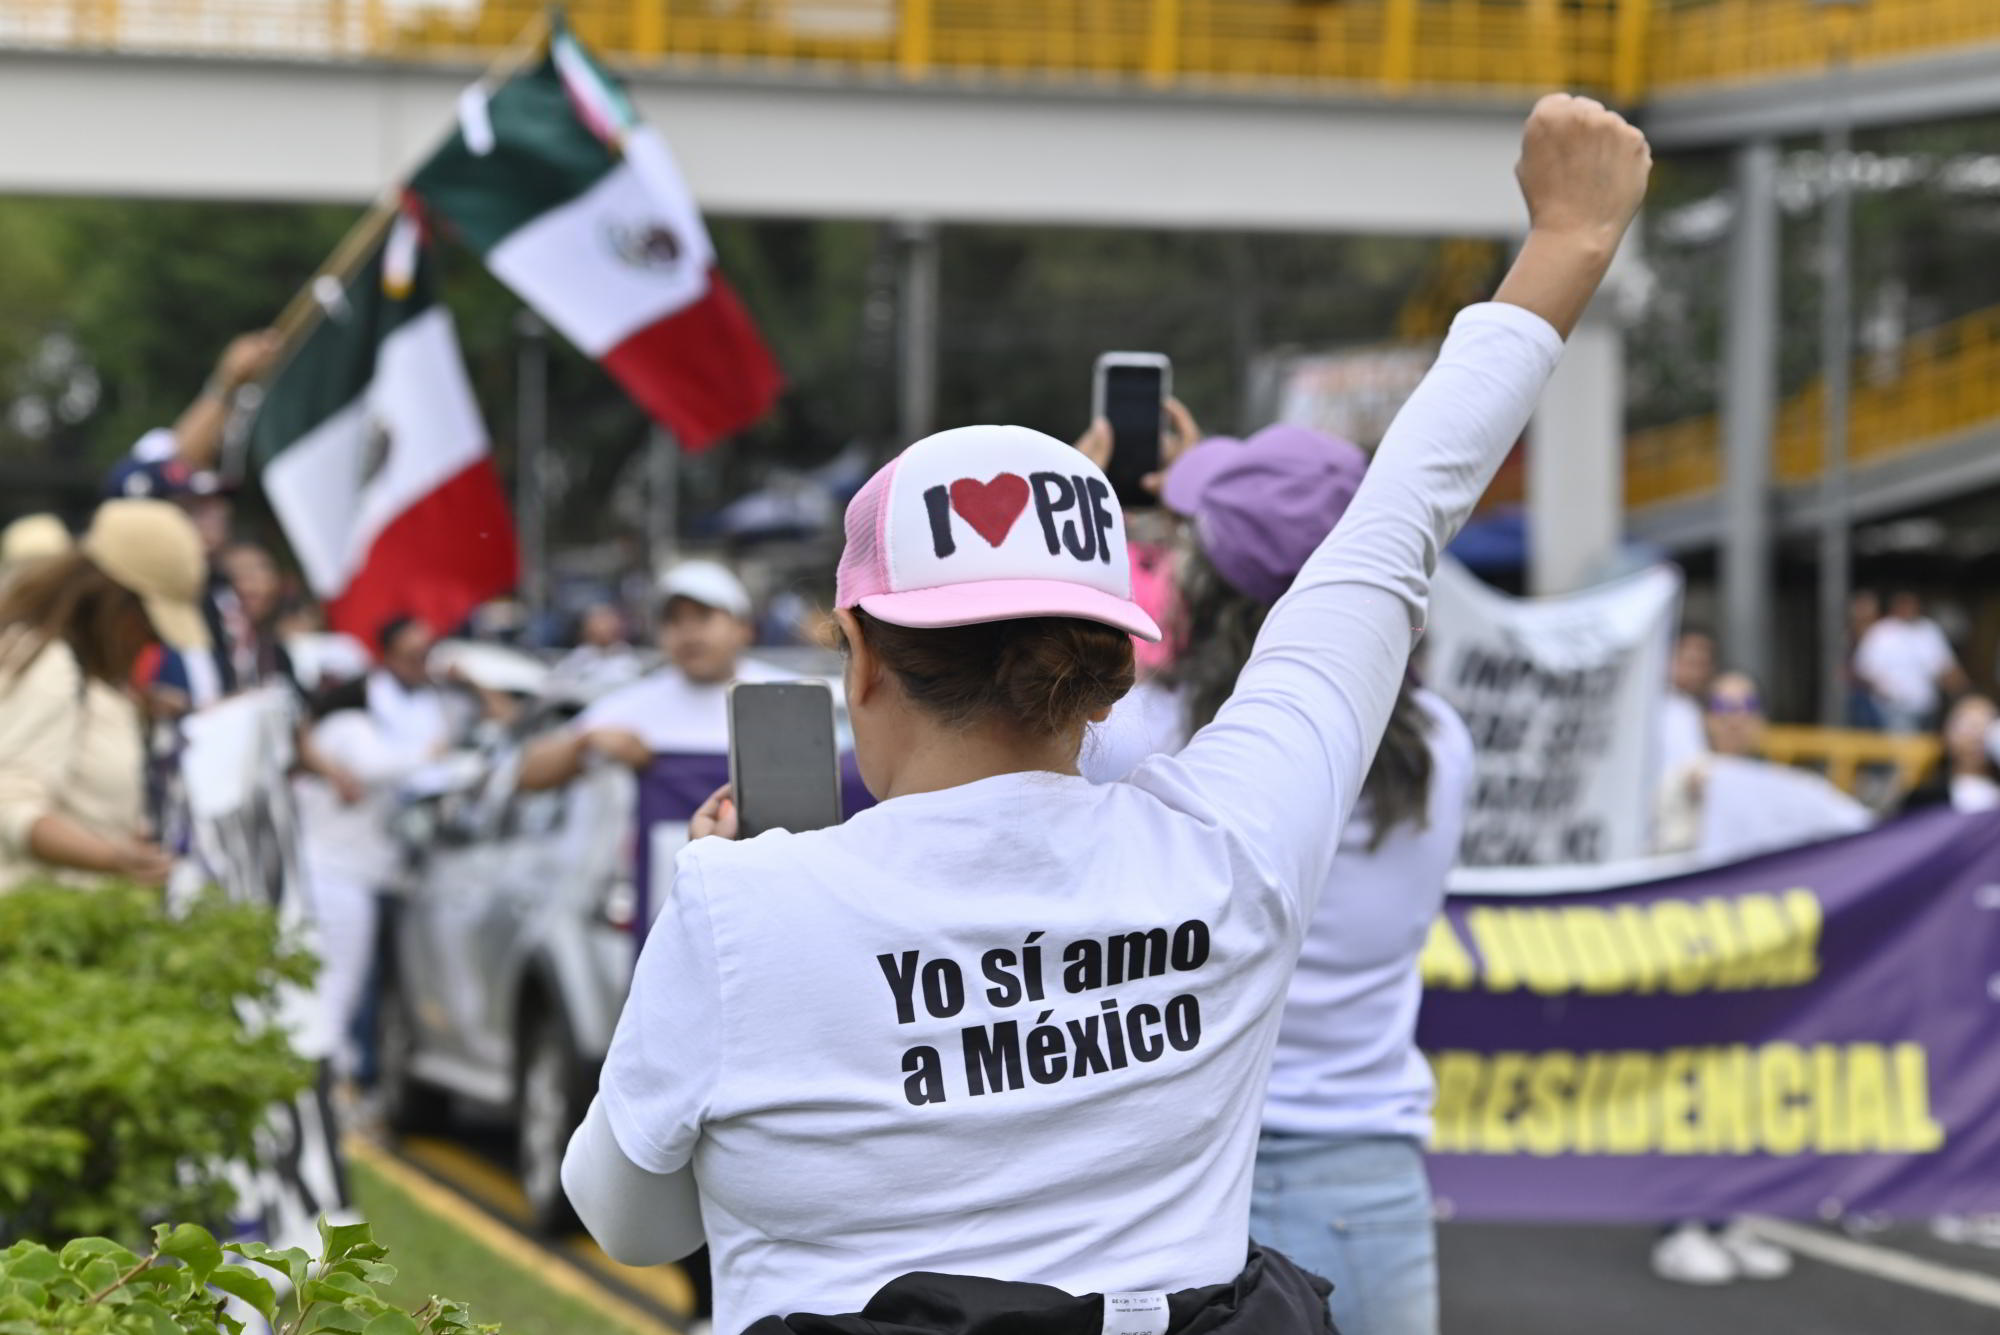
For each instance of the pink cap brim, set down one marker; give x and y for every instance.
(1007, 600)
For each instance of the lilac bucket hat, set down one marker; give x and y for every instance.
(1262, 506)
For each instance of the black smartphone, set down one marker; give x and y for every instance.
(784, 767)
(1130, 392)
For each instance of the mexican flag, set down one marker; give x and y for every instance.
(369, 446)
(582, 211)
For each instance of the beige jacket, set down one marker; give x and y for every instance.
(66, 746)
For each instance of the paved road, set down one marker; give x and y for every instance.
(1523, 1280)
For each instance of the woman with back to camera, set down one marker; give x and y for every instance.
(72, 628)
(1340, 1183)
(1009, 1024)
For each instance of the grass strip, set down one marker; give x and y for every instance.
(433, 1253)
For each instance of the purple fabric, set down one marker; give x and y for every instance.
(1262, 505)
(672, 789)
(1870, 1085)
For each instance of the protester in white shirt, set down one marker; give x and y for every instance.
(1340, 1182)
(1727, 804)
(1731, 803)
(1683, 731)
(1009, 1023)
(1906, 663)
(680, 708)
(1967, 780)
(372, 736)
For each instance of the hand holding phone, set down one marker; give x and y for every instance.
(784, 766)
(1130, 391)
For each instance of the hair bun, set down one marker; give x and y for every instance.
(1041, 675)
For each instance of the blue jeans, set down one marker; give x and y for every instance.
(1358, 1211)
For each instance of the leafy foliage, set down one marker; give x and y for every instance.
(133, 1065)
(94, 1286)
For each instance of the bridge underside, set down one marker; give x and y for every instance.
(1940, 86)
(1935, 471)
(149, 127)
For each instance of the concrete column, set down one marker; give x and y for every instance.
(1576, 459)
(916, 329)
(1749, 394)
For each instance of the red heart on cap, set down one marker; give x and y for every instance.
(991, 507)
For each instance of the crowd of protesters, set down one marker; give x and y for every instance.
(1267, 771)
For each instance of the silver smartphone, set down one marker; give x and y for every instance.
(784, 766)
(1130, 390)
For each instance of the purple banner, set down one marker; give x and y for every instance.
(1810, 1032)
(672, 789)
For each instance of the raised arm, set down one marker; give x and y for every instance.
(198, 430)
(1284, 759)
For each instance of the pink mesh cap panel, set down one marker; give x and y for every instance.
(864, 561)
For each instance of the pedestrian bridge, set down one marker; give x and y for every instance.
(1267, 114)
(1924, 425)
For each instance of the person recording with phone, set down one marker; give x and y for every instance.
(1003, 1040)
(677, 709)
(1340, 1185)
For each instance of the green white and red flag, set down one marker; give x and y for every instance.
(582, 211)
(370, 448)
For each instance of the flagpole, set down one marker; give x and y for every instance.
(305, 309)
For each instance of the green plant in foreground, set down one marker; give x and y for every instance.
(133, 1062)
(93, 1286)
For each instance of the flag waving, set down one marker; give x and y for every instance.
(582, 211)
(371, 450)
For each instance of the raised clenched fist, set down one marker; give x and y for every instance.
(1583, 168)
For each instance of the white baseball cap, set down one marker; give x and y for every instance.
(989, 523)
(709, 583)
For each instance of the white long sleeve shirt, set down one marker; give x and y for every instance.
(1022, 1028)
(1347, 1062)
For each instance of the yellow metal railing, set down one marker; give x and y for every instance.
(1694, 42)
(1893, 765)
(1624, 48)
(1940, 382)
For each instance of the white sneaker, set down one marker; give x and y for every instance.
(1692, 1255)
(1756, 1257)
(1967, 1230)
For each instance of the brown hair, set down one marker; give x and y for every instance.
(1042, 675)
(1398, 787)
(68, 598)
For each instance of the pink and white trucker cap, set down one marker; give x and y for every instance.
(989, 523)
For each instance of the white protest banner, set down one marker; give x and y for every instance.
(235, 797)
(1563, 698)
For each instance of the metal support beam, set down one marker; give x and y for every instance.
(1749, 411)
(1837, 360)
(531, 437)
(916, 329)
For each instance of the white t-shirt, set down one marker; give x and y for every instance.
(673, 714)
(1683, 733)
(1902, 661)
(1023, 1027)
(1753, 806)
(1974, 792)
(399, 732)
(1347, 1062)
